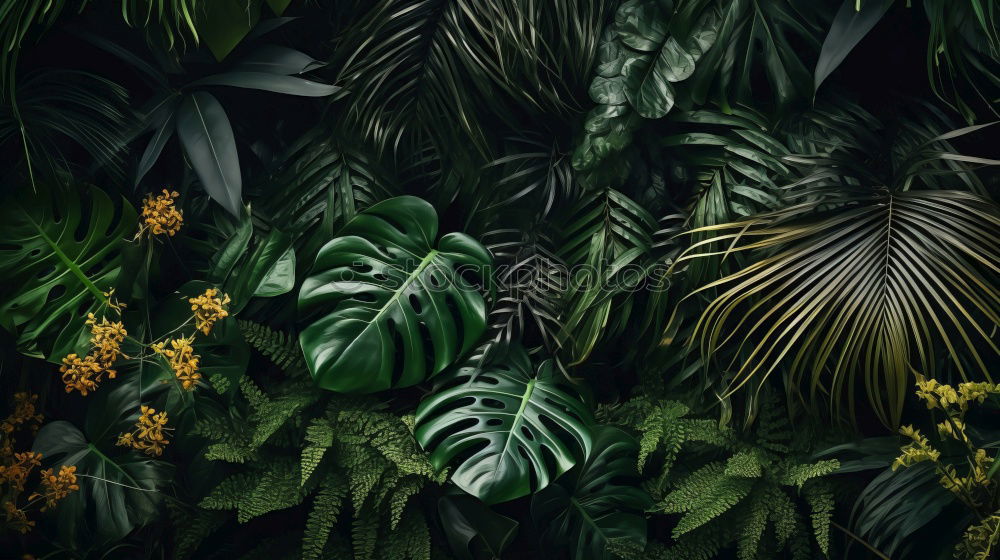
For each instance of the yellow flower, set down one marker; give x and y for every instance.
(106, 338)
(159, 216)
(979, 540)
(208, 309)
(917, 452)
(149, 436)
(182, 360)
(24, 413)
(16, 473)
(975, 391)
(955, 429)
(56, 486)
(16, 518)
(112, 302)
(82, 374)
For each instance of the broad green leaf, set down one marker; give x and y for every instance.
(266, 272)
(60, 248)
(592, 504)
(386, 305)
(275, 59)
(208, 141)
(474, 530)
(224, 23)
(509, 427)
(264, 81)
(278, 6)
(119, 490)
(224, 352)
(166, 117)
(848, 29)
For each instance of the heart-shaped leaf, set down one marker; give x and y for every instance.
(508, 425)
(388, 307)
(60, 248)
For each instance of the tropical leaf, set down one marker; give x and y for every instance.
(207, 136)
(52, 112)
(505, 426)
(605, 241)
(774, 37)
(591, 505)
(388, 307)
(531, 281)
(118, 491)
(413, 64)
(643, 54)
(61, 251)
(473, 529)
(849, 27)
(322, 183)
(873, 287)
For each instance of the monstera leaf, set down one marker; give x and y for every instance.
(589, 506)
(118, 490)
(60, 248)
(388, 307)
(510, 426)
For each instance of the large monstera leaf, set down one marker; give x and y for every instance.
(590, 506)
(119, 488)
(60, 248)
(388, 308)
(506, 426)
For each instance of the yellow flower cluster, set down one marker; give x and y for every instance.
(945, 397)
(24, 413)
(106, 338)
(973, 484)
(968, 479)
(918, 451)
(56, 486)
(159, 216)
(83, 374)
(182, 359)
(979, 540)
(149, 436)
(15, 468)
(16, 517)
(208, 309)
(15, 474)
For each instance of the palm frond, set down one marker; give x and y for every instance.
(531, 280)
(53, 111)
(861, 294)
(422, 63)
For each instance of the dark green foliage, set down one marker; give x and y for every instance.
(561, 279)
(55, 275)
(352, 461)
(757, 492)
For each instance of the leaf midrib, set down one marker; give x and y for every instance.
(72, 266)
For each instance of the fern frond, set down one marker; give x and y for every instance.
(279, 347)
(319, 436)
(819, 495)
(326, 508)
(752, 531)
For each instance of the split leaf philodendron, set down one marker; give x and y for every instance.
(390, 304)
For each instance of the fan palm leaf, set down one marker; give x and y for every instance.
(867, 291)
